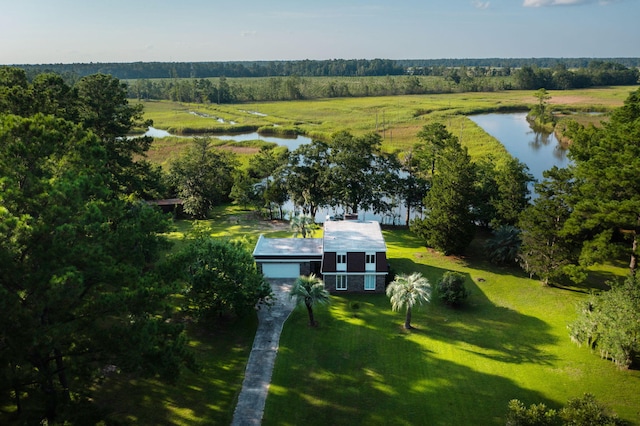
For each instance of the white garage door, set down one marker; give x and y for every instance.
(281, 270)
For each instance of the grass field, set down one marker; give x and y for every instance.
(458, 367)
(360, 367)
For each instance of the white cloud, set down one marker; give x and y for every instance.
(248, 33)
(541, 3)
(481, 4)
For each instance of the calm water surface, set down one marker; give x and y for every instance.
(538, 151)
(291, 143)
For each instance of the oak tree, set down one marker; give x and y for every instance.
(219, 277)
(202, 177)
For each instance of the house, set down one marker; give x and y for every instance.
(354, 256)
(351, 257)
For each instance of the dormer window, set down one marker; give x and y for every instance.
(341, 262)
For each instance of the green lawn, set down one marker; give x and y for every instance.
(203, 397)
(458, 367)
(360, 367)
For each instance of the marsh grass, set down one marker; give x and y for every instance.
(396, 118)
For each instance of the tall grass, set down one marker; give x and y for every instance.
(396, 118)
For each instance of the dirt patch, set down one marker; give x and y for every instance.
(565, 100)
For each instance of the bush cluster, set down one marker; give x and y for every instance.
(451, 289)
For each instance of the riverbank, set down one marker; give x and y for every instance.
(396, 118)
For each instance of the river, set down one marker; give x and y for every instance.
(538, 151)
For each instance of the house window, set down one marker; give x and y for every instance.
(341, 282)
(369, 282)
(341, 262)
(370, 262)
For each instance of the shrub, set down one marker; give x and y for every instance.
(610, 322)
(535, 415)
(503, 247)
(585, 410)
(451, 289)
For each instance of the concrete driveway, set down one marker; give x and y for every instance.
(257, 377)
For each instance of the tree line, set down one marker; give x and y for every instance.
(87, 288)
(435, 181)
(304, 68)
(225, 90)
(514, 62)
(308, 68)
(230, 82)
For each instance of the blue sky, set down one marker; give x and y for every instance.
(64, 31)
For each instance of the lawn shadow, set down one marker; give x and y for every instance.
(489, 330)
(205, 396)
(367, 370)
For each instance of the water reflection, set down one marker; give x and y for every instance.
(292, 142)
(539, 151)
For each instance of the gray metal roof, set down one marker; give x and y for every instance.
(351, 235)
(290, 247)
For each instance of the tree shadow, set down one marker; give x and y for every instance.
(207, 395)
(489, 330)
(378, 373)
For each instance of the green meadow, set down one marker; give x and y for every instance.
(458, 367)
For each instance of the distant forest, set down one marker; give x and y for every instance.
(238, 82)
(309, 68)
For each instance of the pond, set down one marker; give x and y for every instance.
(538, 151)
(290, 142)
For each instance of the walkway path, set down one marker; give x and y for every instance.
(263, 355)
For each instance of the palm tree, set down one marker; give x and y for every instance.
(407, 290)
(302, 225)
(310, 291)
